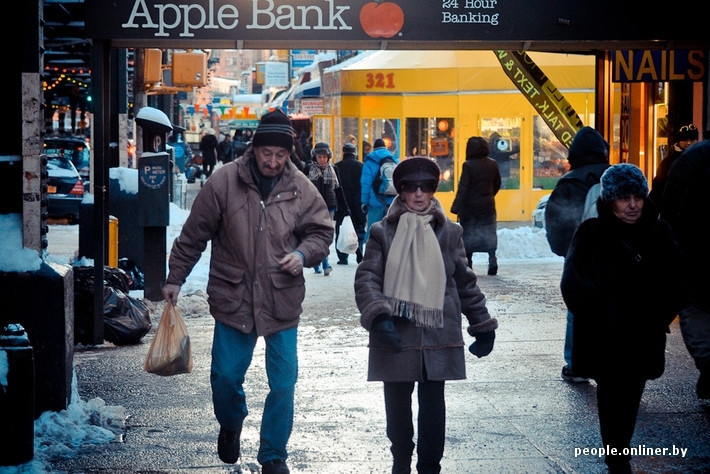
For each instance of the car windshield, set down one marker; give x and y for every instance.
(74, 150)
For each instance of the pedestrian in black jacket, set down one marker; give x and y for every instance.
(475, 202)
(324, 177)
(588, 158)
(349, 171)
(611, 278)
(685, 136)
(686, 207)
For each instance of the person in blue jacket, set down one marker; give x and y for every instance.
(373, 204)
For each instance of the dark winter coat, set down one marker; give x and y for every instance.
(247, 289)
(588, 158)
(208, 148)
(332, 195)
(440, 350)
(686, 207)
(623, 283)
(475, 202)
(349, 173)
(503, 158)
(661, 178)
(226, 151)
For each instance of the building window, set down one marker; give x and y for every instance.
(503, 134)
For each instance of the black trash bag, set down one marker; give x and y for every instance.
(126, 319)
(135, 275)
(84, 299)
(117, 278)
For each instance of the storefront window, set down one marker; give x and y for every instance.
(433, 137)
(386, 129)
(503, 136)
(349, 133)
(549, 156)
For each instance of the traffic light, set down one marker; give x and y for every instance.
(189, 69)
(153, 67)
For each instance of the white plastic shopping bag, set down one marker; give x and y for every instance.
(347, 238)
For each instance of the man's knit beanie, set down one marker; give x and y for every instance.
(274, 130)
(623, 180)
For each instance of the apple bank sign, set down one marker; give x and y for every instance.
(183, 20)
(156, 22)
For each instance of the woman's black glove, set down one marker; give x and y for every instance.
(483, 345)
(384, 332)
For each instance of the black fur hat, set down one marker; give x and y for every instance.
(415, 169)
(623, 180)
(321, 148)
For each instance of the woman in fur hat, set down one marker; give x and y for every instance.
(411, 289)
(610, 282)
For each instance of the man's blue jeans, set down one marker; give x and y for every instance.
(374, 214)
(568, 340)
(232, 352)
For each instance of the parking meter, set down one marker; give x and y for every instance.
(154, 184)
(155, 126)
(154, 189)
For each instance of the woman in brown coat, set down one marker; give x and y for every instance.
(411, 289)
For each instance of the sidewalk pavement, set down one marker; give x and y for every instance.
(513, 414)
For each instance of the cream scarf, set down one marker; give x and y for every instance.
(415, 282)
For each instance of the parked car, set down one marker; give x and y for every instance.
(75, 148)
(538, 215)
(65, 189)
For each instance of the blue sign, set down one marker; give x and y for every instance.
(302, 58)
(659, 65)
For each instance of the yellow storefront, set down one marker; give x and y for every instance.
(428, 103)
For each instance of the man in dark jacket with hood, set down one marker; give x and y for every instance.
(349, 171)
(588, 159)
(686, 207)
(475, 202)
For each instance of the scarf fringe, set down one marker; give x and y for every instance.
(421, 315)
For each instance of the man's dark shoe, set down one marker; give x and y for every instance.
(228, 445)
(568, 376)
(275, 466)
(342, 262)
(492, 266)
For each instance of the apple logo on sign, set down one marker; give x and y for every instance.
(381, 19)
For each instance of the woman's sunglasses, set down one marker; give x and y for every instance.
(426, 187)
(687, 128)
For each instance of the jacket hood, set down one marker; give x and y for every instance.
(378, 154)
(588, 147)
(476, 147)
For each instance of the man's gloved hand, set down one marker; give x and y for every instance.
(483, 345)
(363, 208)
(384, 331)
